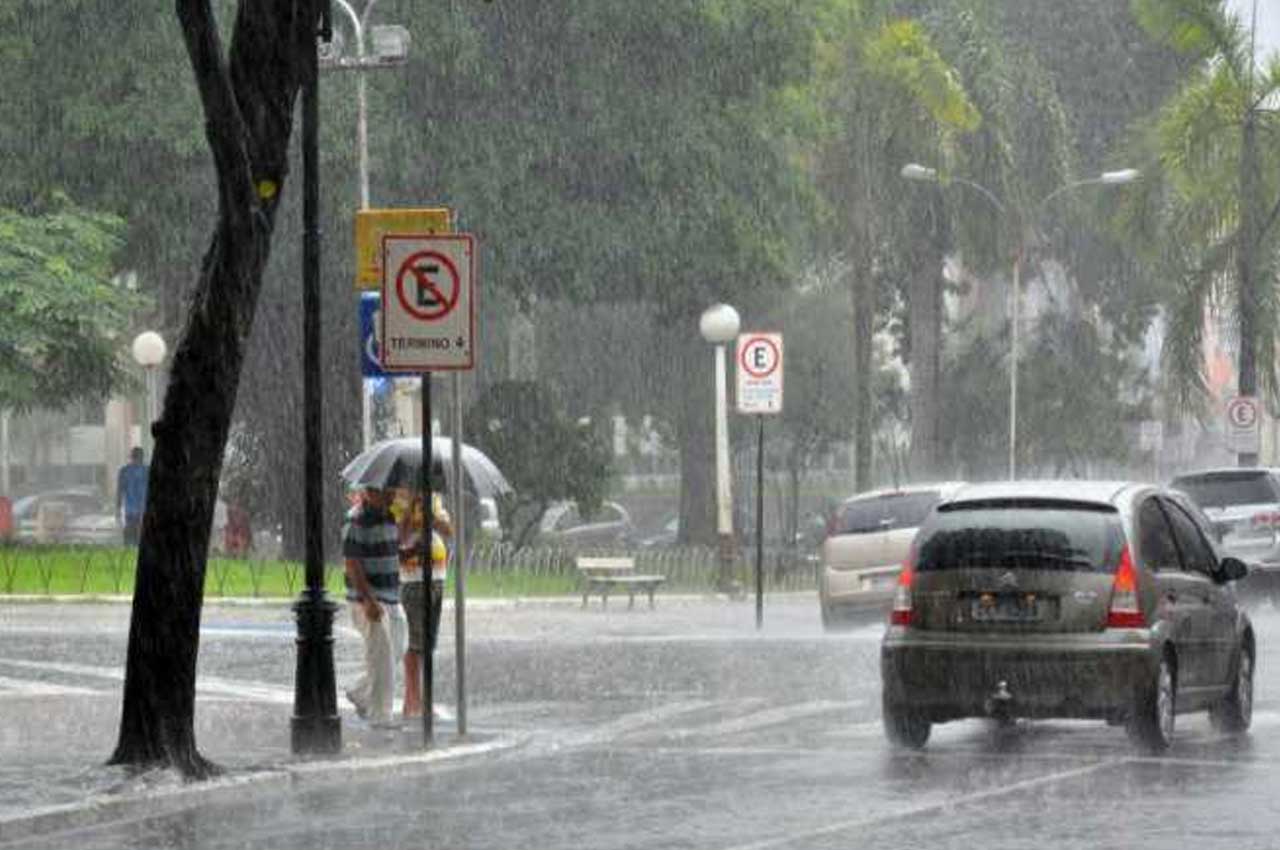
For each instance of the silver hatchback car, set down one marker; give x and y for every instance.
(1244, 505)
(1067, 599)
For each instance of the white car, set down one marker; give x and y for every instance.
(870, 536)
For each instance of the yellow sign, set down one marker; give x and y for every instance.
(372, 225)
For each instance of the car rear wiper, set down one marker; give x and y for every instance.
(1051, 557)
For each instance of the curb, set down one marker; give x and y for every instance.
(477, 604)
(102, 809)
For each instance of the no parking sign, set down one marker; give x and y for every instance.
(759, 373)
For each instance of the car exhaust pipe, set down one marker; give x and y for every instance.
(1000, 701)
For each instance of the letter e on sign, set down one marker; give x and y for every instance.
(759, 363)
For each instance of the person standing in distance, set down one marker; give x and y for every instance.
(131, 495)
(370, 548)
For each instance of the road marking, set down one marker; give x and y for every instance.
(205, 685)
(631, 722)
(926, 808)
(33, 688)
(761, 719)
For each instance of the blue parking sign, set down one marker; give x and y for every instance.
(370, 307)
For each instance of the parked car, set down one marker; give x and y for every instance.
(867, 540)
(46, 516)
(1244, 506)
(666, 535)
(563, 525)
(1067, 599)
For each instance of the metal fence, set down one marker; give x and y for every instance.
(57, 570)
(687, 568)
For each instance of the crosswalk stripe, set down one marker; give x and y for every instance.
(34, 688)
(205, 685)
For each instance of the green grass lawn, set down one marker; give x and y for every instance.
(60, 570)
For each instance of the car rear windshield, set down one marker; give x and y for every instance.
(1228, 489)
(885, 513)
(1033, 535)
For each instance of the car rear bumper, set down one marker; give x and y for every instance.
(857, 594)
(1082, 676)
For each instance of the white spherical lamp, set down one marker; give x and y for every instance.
(149, 349)
(719, 324)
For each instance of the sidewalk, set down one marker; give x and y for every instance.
(53, 748)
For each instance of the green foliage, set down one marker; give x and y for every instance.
(1206, 220)
(544, 454)
(62, 315)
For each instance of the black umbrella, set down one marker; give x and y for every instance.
(398, 462)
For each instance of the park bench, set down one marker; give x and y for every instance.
(602, 575)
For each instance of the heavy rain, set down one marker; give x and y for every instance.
(827, 424)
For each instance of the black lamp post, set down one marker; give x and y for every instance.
(316, 727)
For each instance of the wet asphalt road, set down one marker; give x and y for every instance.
(684, 727)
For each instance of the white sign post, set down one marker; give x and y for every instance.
(428, 324)
(759, 373)
(1243, 433)
(428, 302)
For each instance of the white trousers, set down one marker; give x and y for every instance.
(374, 690)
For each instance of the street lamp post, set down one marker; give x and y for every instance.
(390, 49)
(719, 325)
(148, 352)
(1026, 236)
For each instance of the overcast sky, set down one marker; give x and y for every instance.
(1268, 23)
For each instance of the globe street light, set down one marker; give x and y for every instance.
(1026, 236)
(719, 325)
(149, 351)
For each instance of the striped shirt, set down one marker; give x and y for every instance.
(370, 538)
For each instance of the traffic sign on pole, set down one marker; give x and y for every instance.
(1243, 433)
(428, 302)
(759, 373)
(370, 330)
(372, 225)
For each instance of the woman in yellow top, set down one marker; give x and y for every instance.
(412, 589)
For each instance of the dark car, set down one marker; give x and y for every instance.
(1067, 599)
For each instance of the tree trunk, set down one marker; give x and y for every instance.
(1247, 377)
(863, 298)
(248, 106)
(925, 322)
(697, 444)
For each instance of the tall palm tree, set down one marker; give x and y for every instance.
(1208, 214)
(893, 97)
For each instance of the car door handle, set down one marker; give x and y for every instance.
(1171, 595)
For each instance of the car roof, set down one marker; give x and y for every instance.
(944, 487)
(1223, 470)
(1097, 492)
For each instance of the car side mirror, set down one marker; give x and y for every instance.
(1231, 569)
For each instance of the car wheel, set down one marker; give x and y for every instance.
(905, 728)
(1151, 726)
(1235, 712)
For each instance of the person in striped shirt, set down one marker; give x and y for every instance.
(370, 548)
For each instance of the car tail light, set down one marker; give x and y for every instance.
(1266, 519)
(1124, 612)
(903, 612)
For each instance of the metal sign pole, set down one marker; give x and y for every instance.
(428, 516)
(459, 556)
(760, 521)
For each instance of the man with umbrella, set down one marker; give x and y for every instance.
(370, 547)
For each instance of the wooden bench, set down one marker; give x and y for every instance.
(601, 575)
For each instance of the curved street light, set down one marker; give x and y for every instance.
(923, 173)
(719, 325)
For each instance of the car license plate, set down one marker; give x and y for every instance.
(990, 608)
